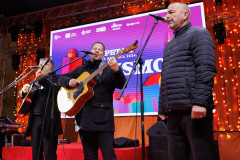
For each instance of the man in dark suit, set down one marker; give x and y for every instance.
(96, 118)
(44, 124)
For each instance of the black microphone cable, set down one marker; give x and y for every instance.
(23, 140)
(65, 120)
(44, 116)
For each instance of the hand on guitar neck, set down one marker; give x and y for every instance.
(112, 62)
(25, 88)
(39, 74)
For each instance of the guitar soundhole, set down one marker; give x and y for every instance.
(79, 91)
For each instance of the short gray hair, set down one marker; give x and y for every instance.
(186, 7)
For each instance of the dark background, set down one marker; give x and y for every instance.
(10, 8)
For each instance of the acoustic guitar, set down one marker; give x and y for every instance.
(27, 101)
(71, 101)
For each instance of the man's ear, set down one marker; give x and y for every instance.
(185, 17)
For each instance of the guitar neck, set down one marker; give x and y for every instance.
(125, 50)
(95, 73)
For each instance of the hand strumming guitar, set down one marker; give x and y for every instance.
(73, 83)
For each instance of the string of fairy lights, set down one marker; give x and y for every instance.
(234, 79)
(226, 90)
(27, 45)
(228, 70)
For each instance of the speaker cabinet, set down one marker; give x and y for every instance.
(158, 144)
(17, 139)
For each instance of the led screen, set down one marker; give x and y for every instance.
(117, 34)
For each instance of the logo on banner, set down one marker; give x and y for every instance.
(56, 37)
(101, 29)
(132, 24)
(69, 35)
(116, 26)
(86, 32)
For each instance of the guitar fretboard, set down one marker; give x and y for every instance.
(95, 73)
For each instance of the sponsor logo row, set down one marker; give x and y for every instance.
(114, 27)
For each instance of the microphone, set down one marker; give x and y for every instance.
(164, 19)
(34, 67)
(87, 52)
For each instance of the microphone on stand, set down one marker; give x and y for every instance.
(87, 52)
(34, 67)
(163, 19)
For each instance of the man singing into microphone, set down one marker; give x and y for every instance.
(186, 97)
(42, 127)
(96, 119)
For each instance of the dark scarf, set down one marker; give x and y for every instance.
(93, 64)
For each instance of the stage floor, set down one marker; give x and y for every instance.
(73, 151)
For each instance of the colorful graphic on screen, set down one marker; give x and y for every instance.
(117, 34)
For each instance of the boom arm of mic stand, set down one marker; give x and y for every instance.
(137, 60)
(125, 85)
(36, 80)
(52, 72)
(15, 82)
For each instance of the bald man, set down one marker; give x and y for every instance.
(186, 97)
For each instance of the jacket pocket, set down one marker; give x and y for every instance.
(102, 115)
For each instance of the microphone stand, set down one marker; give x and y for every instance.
(15, 82)
(140, 62)
(36, 80)
(53, 72)
(18, 80)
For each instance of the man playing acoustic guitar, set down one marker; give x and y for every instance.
(96, 118)
(43, 127)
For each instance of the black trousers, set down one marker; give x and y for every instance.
(48, 144)
(190, 138)
(92, 140)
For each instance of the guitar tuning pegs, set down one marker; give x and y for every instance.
(136, 42)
